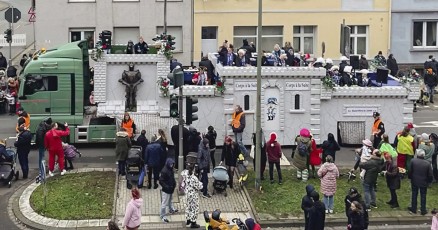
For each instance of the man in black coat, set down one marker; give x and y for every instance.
(354, 195)
(3, 61)
(249, 50)
(168, 185)
(141, 47)
(430, 64)
(23, 144)
(143, 142)
(421, 176)
(40, 133)
(431, 81)
(307, 204)
(210, 69)
(392, 65)
(174, 133)
(316, 213)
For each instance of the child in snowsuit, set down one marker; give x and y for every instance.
(69, 154)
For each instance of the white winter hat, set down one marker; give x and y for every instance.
(425, 137)
(343, 58)
(347, 69)
(364, 71)
(320, 60)
(329, 61)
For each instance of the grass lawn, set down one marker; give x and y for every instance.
(283, 200)
(76, 196)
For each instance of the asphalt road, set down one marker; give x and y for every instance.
(425, 120)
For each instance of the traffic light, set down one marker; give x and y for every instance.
(176, 77)
(174, 106)
(8, 35)
(191, 109)
(170, 42)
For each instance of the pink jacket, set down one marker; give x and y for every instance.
(328, 174)
(133, 213)
(434, 223)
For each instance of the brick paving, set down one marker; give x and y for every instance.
(232, 206)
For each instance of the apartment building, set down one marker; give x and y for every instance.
(63, 21)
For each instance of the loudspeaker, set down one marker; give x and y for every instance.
(354, 61)
(106, 38)
(382, 75)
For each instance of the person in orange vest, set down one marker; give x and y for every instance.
(23, 114)
(129, 125)
(377, 130)
(238, 125)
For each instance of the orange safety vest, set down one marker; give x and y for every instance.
(26, 122)
(236, 120)
(375, 127)
(128, 127)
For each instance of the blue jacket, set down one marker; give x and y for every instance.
(23, 142)
(153, 154)
(167, 178)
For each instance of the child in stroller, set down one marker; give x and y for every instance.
(70, 153)
(220, 177)
(8, 158)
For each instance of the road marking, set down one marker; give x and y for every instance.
(427, 124)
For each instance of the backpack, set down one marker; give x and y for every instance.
(303, 149)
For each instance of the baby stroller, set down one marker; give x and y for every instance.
(220, 177)
(216, 222)
(8, 166)
(134, 167)
(241, 169)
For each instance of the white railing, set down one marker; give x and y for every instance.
(17, 40)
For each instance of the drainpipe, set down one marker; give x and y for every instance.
(390, 26)
(192, 31)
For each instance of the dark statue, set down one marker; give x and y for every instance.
(131, 79)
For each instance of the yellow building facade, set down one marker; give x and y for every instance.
(304, 23)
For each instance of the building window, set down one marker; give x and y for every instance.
(304, 39)
(83, 34)
(246, 102)
(209, 32)
(297, 102)
(175, 31)
(425, 34)
(359, 40)
(123, 34)
(271, 35)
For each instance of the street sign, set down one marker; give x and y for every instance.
(32, 18)
(12, 15)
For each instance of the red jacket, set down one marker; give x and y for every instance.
(52, 140)
(273, 149)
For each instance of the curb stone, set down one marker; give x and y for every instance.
(29, 224)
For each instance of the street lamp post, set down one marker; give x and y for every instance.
(259, 89)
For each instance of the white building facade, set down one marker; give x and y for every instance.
(60, 22)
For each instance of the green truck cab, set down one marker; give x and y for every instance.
(56, 83)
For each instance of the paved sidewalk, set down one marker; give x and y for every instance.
(232, 206)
